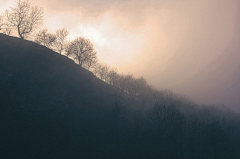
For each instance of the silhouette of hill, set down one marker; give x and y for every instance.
(42, 90)
(45, 79)
(51, 107)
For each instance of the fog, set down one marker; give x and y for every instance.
(189, 47)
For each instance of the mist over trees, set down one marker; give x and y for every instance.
(141, 122)
(27, 19)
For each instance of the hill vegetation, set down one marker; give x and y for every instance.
(53, 108)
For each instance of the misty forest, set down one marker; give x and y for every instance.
(58, 100)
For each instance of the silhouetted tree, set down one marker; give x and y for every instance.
(81, 50)
(44, 38)
(102, 71)
(24, 18)
(121, 82)
(129, 84)
(67, 48)
(5, 28)
(61, 36)
(113, 76)
(1, 22)
(90, 63)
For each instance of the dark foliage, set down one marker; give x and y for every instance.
(51, 107)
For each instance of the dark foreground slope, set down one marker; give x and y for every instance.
(52, 108)
(34, 75)
(49, 106)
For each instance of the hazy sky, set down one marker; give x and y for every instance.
(188, 46)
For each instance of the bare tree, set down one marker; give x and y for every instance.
(67, 48)
(113, 76)
(126, 83)
(140, 84)
(1, 22)
(95, 69)
(90, 63)
(5, 28)
(44, 38)
(131, 88)
(61, 36)
(121, 82)
(81, 50)
(24, 18)
(102, 72)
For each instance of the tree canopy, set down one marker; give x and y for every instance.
(61, 35)
(44, 38)
(24, 18)
(81, 50)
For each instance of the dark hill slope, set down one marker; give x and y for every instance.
(48, 104)
(50, 108)
(37, 78)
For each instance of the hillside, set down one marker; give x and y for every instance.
(52, 108)
(45, 79)
(41, 89)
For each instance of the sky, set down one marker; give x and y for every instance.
(190, 47)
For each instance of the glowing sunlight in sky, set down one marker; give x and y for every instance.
(114, 46)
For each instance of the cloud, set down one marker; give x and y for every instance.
(194, 50)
